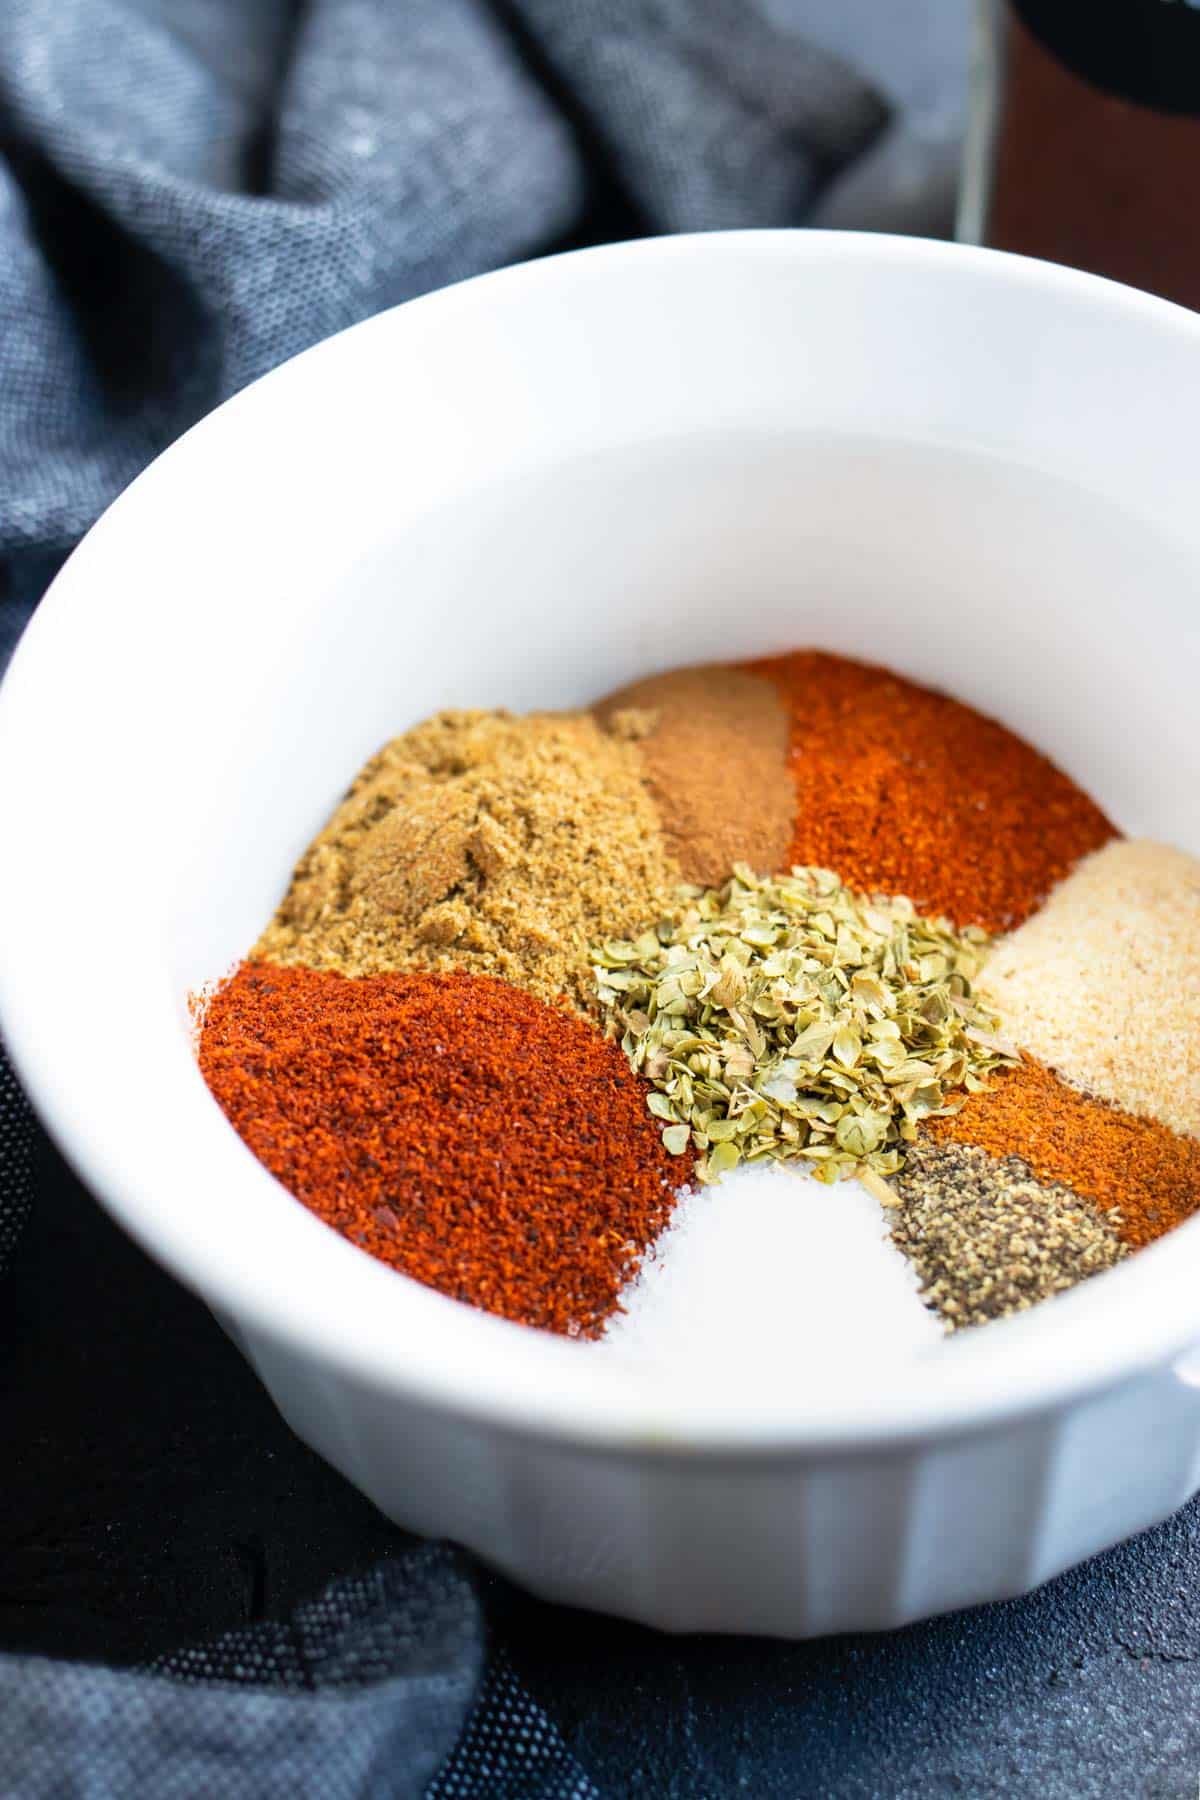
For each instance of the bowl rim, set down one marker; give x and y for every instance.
(1054, 1354)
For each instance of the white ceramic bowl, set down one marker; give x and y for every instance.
(524, 490)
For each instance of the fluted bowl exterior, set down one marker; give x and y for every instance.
(525, 491)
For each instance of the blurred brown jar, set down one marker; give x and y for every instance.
(1085, 138)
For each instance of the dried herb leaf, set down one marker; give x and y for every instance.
(793, 1018)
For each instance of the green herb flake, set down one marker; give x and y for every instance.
(792, 1018)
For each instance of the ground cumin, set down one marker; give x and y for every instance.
(906, 791)
(713, 743)
(1148, 1173)
(478, 841)
(490, 1146)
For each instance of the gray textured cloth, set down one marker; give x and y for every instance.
(190, 192)
(363, 1692)
(16, 1161)
(193, 190)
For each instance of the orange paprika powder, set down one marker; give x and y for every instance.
(902, 790)
(1149, 1174)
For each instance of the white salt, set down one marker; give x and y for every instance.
(766, 1266)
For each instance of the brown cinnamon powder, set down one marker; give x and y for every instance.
(713, 744)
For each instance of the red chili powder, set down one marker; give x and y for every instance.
(488, 1145)
(901, 790)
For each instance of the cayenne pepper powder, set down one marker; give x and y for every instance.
(902, 790)
(1144, 1171)
(487, 1144)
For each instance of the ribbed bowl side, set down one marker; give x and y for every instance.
(1126, 1458)
(786, 1545)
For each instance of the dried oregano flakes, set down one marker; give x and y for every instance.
(791, 1018)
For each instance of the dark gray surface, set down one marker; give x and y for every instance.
(150, 1496)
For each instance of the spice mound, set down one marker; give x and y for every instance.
(713, 744)
(481, 842)
(538, 973)
(988, 1240)
(1104, 982)
(1133, 1166)
(792, 1018)
(906, 791)
(491, 1146)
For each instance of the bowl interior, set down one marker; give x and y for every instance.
(521, 493)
